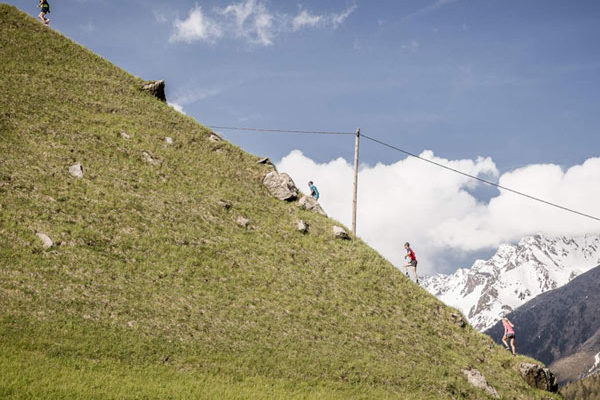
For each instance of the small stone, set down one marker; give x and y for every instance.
(46, 241)
(124, 135)
(132, 324)
(156, 89)
(311, 204)
(458, 319)
(214, 138)
(242, 221)
(340, 233)
(148, 158)
(225, 204)
(168, 141)
(475, 378)
(265, 160)
(281, 186)
(302, 226)
(76, 170)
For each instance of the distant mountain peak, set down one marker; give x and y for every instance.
(514, 275)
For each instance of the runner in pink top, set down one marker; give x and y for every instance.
(509, 333)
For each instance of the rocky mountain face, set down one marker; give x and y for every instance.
(514, 275)
(561, 327)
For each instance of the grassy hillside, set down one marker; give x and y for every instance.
(152, 290)
(585, 389)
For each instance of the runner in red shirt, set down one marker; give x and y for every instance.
(412, 261)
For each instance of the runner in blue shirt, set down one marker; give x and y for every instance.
(313, 190)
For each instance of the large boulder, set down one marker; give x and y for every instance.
(281, 186)
(475, 378)
(539, 377)
(310, 204)
(156, 89)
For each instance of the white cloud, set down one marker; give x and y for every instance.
(177, 107)
(304, 18)
(432, 208)
(189, 96)
(338, 19)
(196, 26)
(251, 21)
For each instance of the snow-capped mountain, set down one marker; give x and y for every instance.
(514, 275)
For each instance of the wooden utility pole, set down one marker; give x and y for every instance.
(356, 143)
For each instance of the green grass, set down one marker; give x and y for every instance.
(154, 292)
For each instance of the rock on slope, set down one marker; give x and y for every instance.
(514, 275)
(561, 327)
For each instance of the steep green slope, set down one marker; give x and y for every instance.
(153, 291)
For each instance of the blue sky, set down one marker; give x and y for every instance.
(517, 81)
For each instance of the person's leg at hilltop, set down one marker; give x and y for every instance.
(512, 344)
(505, 342)
(414, 269)
(406, 268)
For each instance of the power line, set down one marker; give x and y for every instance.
(411, 155)
(480, 179)
(232, 128)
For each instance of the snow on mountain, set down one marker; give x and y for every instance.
(514, 275)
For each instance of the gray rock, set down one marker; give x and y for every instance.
(125, 135)
(281, 186)
(148, 158)
(302, 226)
(46, 241)
(475, 378)
(156, 89)
(76, 170)
(458, 319)
(539, 377)
(242, 221)
(310, 204)
(225, 204)
(168, 141)
(340, 233)
(214, 138)
(265, 160)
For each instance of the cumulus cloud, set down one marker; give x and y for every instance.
(436, 211)
(197, 26)
(251, 21)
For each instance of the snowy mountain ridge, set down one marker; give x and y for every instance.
(514, 275)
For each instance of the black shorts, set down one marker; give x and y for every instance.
(413, 263)
(510, 336)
